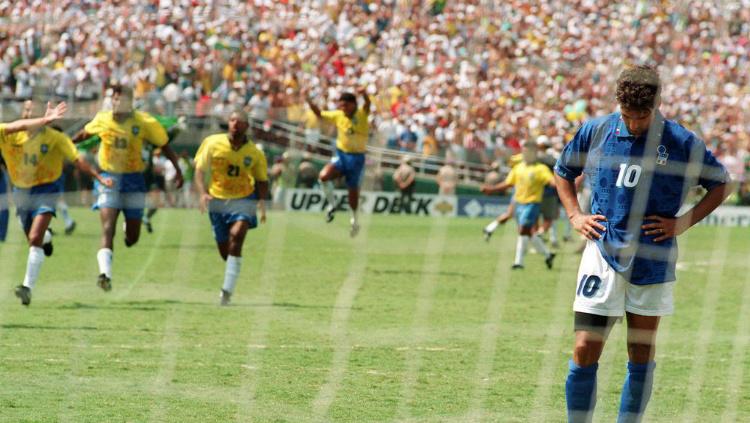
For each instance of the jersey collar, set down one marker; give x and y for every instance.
(621, 130)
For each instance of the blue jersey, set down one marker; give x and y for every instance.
(633, 177)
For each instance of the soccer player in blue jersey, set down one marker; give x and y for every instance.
(640, 166)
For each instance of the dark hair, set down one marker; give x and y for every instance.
(348, 97)
(638, 88)
(122, 90)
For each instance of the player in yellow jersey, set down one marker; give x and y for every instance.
(529, 179)
(352, 133)
(122, 132)
(237, 173)
(34, 155)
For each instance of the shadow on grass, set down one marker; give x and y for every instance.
(415, 272)
(36, 327)
(161, 305)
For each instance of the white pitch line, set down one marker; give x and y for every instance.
(339, 325)
(170, 342)
(144, 267)
(490, 332)
(739, 351)
(708, 316)
(430, 270)
(559, 321)
(272, 260)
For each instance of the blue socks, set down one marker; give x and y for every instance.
(580, 392)
(4, 217)
(636, 392)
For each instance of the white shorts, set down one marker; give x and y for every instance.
(602, 291)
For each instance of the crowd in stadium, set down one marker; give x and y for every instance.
(465, 80)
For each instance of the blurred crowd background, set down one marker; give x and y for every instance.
(457, 81)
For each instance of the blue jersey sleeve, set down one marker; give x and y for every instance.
(712, 173)
(573, 157)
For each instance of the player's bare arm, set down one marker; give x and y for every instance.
(262, 187)
(167, 150)
(314, 107)
(496, 188)
(200, 184)
(363, 92)
(86, 168)
(670, 227)
(52, 114)
(586, 224)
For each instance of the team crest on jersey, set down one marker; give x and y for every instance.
(247, 161)
(44, 148)
(135, 130)
(661, 155)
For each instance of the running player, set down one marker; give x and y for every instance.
(529, 179)
(34, 154)
(640, 167)
(4, 213)
(122, 132)
(352, 134)
(238, 181)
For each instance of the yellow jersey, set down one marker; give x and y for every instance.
(232, 172)
(529, 181)
(36, 159)
(351, 134)
(120, 148)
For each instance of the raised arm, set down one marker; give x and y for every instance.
(312, 105)
(52, 114)
(367, 104)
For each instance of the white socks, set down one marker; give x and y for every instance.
(231, 273)
(553, 233)
(33, 264)
(104, 257)
(63, 207)
(491, 227)
(47, 237)
(539, 245)
(328, 192)
(355, 217)
(521, 244)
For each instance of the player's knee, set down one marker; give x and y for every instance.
(640, 353)
(36, 240)
(587, 351)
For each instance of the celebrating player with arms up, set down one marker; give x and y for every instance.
(529, 179)
(640, 167)
(238, 178)
(352, 132)
(122, 132)
(34, 154)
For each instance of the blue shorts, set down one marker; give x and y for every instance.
(128, 193)
(351, 165)
(39, 199)
(527, 214)
(223, 213)
(3, 191)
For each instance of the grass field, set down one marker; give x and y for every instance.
(416, 320)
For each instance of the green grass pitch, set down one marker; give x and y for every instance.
(417, 320)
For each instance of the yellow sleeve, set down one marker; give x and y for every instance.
(511, 178)
(202, 159)
(260, 167)
(96, 126)
(65, 144)
(331, 115)
(154, 132)
(2, 133)
(547, 175)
